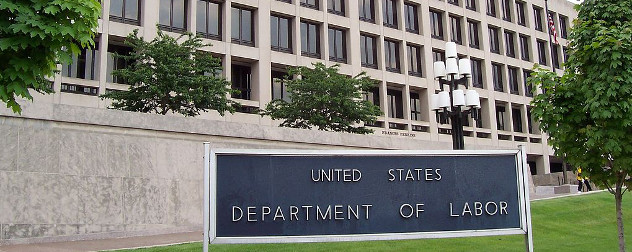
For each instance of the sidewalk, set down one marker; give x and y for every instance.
(157, 240)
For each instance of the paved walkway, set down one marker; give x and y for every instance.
(155, 240)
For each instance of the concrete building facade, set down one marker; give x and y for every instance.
(393, 41)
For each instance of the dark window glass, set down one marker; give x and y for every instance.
(173, 14)
(241, 80)
(556, 56)
(438, 56)
(528, 89)
(537, 16)
(563, 28)
(313, 4)
(494, 42)
(524, 48)
(436, 25)
(125, 11)
(507, 10)
(79, 89)
(83, 65)
(512, 75)
(367, 10)
(455, 2)
(310, 40)
(279, 91)
(209, 16)
(414, 60)
(391, 54)
(472, 28)
(479, 123)
(395, 104)
(491, 8)
(415, 107)
(412, 24)
(117, 63)
(336, 7)
(521, 18)
(510, 45)
(497, 77)
(368, 51)
(389, 11)
(470, 4)
(517, 119)
(280, 34)
(542, 52)
(373, 96)
(285, 1)
(565, 53)
(337, 45)
(500, 117)
(529, 123)
(455, 28)
(242, 26)
(477, 72)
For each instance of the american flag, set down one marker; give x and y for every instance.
(552, 28)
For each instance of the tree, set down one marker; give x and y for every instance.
(165, 75)
(587, 112)
(323, 98)
(34, 36)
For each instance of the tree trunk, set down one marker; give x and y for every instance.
(618, 197)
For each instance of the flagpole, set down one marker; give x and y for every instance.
(548, 28)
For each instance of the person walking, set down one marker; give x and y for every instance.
(581, 181)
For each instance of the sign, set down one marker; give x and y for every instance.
(261, 196)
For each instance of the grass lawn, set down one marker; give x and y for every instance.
(581, 223)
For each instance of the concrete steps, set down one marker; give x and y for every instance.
(552, 190)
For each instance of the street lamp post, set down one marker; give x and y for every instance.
(456, 103)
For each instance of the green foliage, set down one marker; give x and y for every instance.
(34, 35)
(165, 75)
(325, 99)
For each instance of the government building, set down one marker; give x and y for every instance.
(394, 41)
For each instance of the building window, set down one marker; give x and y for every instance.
(509, 44)
(310, 40)
(491, 8)
(520, 14)
(173, 15)
(472, 27)
(529, 122)
(494, 42)
(79, 89)
(455, 25)
(555, 56)
(389, 11)
(528, 89)
(372, 96)
(313, 4)
(512, 75)
(125, 11)
(336, 7)
(517, 119)
(542, 52)
(209, 16)
(565, 53)
(537, 16)
(497, 77)
(506, 10)
(83, 65)
(477, 72)
(391, 54)
(412, 23)
(563, 28)
(242, 26)
(415, 107)
(479, 122)
(395, 104)
(524, 48)
(280, 34)
(455, 2)
(285, 1)
(241, 80)
(438, 56)
(116, 63)
(367, 11)
(436, 24)
(337, 45)
(470, 4)
(368, 51)
(500, 117)
(279, 91)
(414, 60)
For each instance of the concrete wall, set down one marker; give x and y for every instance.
(69, 172)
